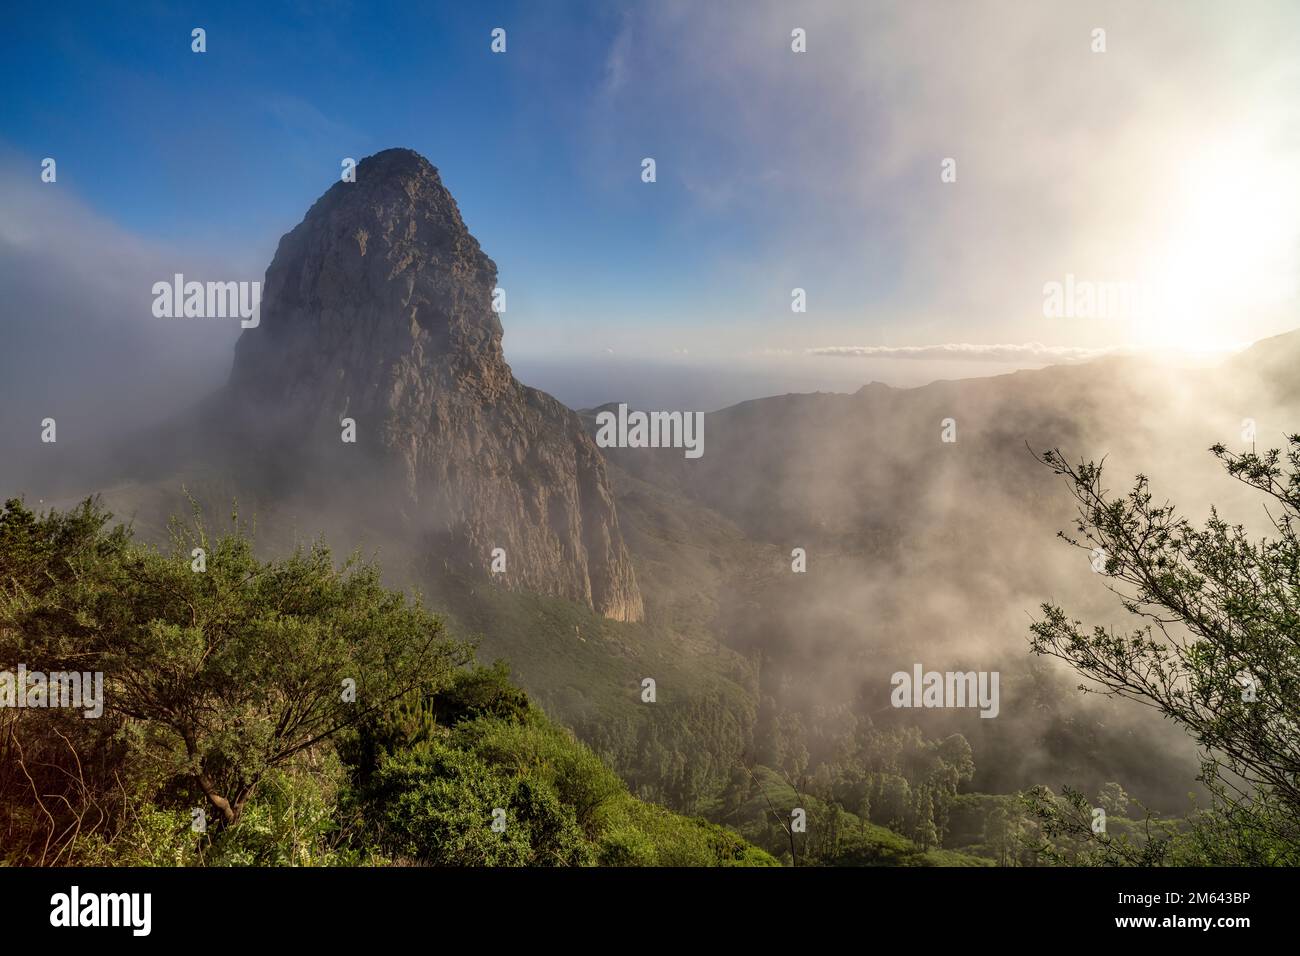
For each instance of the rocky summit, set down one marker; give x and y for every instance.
(378, 309)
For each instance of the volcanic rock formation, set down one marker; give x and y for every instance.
(378, 308)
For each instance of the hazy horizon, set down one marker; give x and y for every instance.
(1159, 166)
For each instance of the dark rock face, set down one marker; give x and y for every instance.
(378, 308)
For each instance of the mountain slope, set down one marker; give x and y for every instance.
(940, 552)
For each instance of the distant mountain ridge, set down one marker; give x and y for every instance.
(920, 549)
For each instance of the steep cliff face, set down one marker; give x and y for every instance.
(378, 308)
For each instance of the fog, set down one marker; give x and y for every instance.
(80, 342)
(919, 550)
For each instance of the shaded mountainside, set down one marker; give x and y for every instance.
(940, 552)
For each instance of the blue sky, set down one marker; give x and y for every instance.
(776, 169)
(226, 150)
(232, 146)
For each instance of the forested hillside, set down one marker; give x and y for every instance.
(284, 712)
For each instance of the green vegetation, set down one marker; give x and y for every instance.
(1216, 651)
(282, 712)
(304, 714)
(712, 745)
(586, 672)
(718, 744)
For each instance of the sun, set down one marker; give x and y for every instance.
(1229, 251)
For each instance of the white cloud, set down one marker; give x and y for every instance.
(1028, 353)
(826, 164)
(81, 342)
